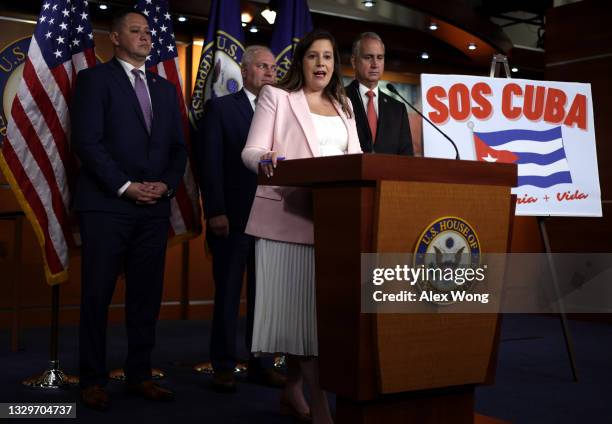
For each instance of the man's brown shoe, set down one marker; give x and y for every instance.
(95, 397)
(224, 381)
(150, 390)
(266, 377)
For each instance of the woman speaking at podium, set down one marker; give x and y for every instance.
(307, 114)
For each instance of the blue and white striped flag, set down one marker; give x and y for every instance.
(540, 155)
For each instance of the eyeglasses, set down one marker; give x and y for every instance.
(266, 67)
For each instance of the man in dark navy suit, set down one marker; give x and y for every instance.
(127, 134)
(228, 189)
(382, 122)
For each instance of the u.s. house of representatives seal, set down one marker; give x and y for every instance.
(12, 58)
(448, 250)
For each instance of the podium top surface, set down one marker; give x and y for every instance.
(369, 168)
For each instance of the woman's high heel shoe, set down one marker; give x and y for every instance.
(286, 408)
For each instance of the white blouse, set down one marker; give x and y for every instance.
(331, 133)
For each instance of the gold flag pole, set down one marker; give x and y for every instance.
(53, 377)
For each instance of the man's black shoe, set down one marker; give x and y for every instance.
(150, 390)
(224, 381)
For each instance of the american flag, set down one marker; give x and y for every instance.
(36, 158)
(185, 210)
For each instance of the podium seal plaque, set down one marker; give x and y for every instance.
(447, 250)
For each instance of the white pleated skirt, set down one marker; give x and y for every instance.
(285, 302)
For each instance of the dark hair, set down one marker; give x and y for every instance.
(294, 78)
(119, 16)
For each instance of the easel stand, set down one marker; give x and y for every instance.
(562, 314)
(501, 60)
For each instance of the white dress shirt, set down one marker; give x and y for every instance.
(252, 98)
(127, 67)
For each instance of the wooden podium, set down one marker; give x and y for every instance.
(398, 368)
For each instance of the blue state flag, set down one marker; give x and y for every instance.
(219, 69)
(293, 21)
(540, 155)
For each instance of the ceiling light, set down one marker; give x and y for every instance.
(253, 29)
(433, 26)
(368, 3)
(246, 17)
(472, 46)
(103, 6)
(269, 15)
(424, 55)
(243, 24)
(514, 69)
(182, 19)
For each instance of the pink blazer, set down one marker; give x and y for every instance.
(282, 123)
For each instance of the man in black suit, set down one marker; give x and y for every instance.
(228, 189)
(382, 122)
(127, 133)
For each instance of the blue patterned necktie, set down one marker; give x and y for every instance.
(143, 98)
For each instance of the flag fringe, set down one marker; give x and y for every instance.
(51, 278)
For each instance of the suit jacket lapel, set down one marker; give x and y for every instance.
(383, 102)
(361, 116)
(124, 83)
(156, 98)
(299, 105)
(358, 105)
(244, 105)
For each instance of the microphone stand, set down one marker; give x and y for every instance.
(392, 89)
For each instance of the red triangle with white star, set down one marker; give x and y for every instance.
(484, 153)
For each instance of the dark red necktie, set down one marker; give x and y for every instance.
(372, 114)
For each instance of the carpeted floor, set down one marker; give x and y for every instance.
(533, 384)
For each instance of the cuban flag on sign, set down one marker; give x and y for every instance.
(540, 155)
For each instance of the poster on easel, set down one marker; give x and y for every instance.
(545, 127)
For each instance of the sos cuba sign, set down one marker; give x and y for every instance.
(545, 127)
(534, 102)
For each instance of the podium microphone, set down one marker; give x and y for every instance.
(392, 89)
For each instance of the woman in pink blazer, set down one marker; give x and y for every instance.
(306, 115)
